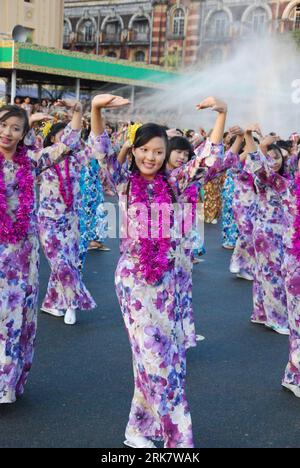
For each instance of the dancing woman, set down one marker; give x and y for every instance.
(146, 279)
(19, 247)
(269, 297)
(58, 221)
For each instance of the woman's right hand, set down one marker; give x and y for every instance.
(214, 104)
(109, 101)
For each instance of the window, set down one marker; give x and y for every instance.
(178, 22)
(258, 20)
(112, 31)
(86, 32)
(139, 56)
(141, 30)
(295, 17)
(66, 32)
(218, 26)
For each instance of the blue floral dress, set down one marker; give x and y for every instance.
(92, 213)
(229, 228)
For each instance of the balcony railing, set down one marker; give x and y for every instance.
(111, 37)
(141, 36)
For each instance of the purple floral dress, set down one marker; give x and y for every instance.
(153, 319)
(243, 258)
(270, 302)
(19, 283)
(286, 189)
(191, 196)
(59, 232)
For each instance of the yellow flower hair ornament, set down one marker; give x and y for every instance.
(132, 129)
(46, 128)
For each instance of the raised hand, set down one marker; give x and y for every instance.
(109, 101)
(214, 104)
(269, 140)
(254, 128)
(39, 117)
(236, 131)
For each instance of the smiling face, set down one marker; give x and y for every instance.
(150, 157)
(178, 157)
(11, 133)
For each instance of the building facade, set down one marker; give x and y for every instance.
(43, 20)
(173, 33)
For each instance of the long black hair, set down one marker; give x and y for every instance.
(56, 128)
(180, 143)
(15, 111)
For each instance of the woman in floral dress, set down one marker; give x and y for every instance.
(269, 297)
(92, 213)
(243, 258)
(229, 227)
(147, 283)
(288, 190)
(19, 247)
(59, 223)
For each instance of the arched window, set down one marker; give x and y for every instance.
(295, 17)
(141, 29)
(67, 32)
(178, 22)
(86, 32)
(257, 20)
(139, 56)
(218, 25)
(112, 30)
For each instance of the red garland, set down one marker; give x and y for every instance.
(153, 255)
(67, 195)
(296, 235)
(11, 232)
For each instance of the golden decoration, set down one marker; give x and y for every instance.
(132, 129)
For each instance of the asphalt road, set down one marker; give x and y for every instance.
(80, 387)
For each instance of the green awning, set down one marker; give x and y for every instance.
(78, 65)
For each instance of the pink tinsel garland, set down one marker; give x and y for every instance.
(11, 231)
(296, 235)
(67, 195)
(153, 256)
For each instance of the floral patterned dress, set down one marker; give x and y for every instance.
(59, 232)
(213, 200)
(270, 303)
(291, 274)
(153, 319)
(191, 241)
(243, 258)
(286, 190)
(92, 213)
(229, 228)
(19, 264)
